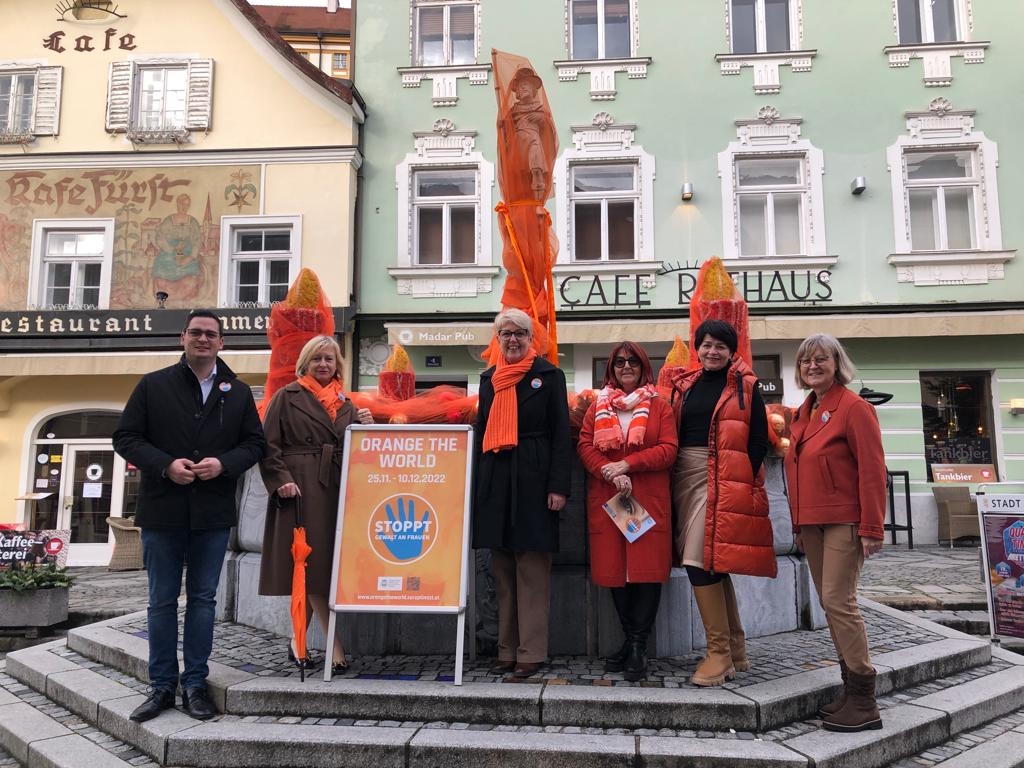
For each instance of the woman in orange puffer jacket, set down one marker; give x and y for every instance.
(720, 507)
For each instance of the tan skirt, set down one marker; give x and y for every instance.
(690, 504)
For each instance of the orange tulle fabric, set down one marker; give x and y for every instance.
(527, 149)
(717, 297)
(305, 313)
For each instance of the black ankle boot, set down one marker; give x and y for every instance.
(635, 666)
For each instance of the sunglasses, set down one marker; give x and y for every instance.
(622, 362)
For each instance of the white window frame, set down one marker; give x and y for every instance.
(761, 28)
(123, 98)
(138, 95)
(444, 78)
(765, 65)
(41, 228)
(601, 54)
(605, 142)
(446, 204)
(603, 199)
(943, 128)
(446, 44)
(44, 117)
(440, 149)
(937, 57)
(941, 186)
(961, 13)
(228, 268)
(802, 189)
(771, 135)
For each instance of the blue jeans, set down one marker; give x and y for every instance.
(165, 554)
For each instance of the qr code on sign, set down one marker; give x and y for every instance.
(412, 583)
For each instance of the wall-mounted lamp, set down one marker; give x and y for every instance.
(687, 191)
(161, 299)
(858, 185)
(874, 397)
(1017, 406)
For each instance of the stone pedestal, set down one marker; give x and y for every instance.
(583, 618)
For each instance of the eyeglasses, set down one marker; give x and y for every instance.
(622, 362)
(820, 360)
(506, 335)
(198, 333)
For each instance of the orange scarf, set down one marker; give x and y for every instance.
(330, 397)
(502, 431)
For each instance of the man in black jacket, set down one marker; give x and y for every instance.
(193, 430)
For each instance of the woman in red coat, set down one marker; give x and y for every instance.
(627, 445)
(835, 473)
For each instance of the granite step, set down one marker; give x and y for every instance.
(936, 684)
(971, 622)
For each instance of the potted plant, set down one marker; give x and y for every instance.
(34, 595)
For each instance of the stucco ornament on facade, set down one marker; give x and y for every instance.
(766, 65)
(373, 353)
(602, 71)
(444, 78)
(945, 128)
(937, 57)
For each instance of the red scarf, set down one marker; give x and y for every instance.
(608, 430)
(330, 397)
(502, 431)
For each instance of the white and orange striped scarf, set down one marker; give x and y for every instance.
(607, 430)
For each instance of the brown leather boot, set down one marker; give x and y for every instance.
(737, 639)
(830, 709)
(860, 712)
(717, 666)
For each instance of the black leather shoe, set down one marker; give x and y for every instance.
(158, 701)
(197, 703)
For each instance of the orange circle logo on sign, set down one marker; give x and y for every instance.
(402, 529)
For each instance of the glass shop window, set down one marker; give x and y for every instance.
(956, 410)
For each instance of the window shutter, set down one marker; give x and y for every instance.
(119, 96)
(47, 115)
(200, 95)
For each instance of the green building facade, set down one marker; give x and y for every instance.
(852, 163)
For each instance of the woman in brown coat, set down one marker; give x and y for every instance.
(628, 443)
(305, 428)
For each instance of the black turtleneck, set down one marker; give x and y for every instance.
(700, 404)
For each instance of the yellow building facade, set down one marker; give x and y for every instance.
(154, 158)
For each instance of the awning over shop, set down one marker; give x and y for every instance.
(776, 328)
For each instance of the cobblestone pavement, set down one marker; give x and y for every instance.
(929, 578)
(925, 578)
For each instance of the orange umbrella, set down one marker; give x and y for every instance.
(300, 551)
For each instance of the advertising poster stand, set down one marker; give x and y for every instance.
(1001, 522)
(402, 542)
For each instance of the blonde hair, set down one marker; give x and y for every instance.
(515, 316)
(313, 346)
(829, 345)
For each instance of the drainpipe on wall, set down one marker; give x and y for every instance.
(320, 53)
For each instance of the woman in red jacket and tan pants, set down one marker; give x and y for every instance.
(835, 471)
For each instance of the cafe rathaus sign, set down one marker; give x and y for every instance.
(779, 286)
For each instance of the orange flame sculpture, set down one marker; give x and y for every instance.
(397, 381)
(675, 362)
(527, 148)
(305, 313)
(717, 297)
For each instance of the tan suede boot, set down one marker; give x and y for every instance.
(717, 666)
(737, 639)
(830, 709)
(860, 712)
